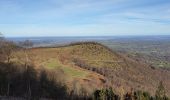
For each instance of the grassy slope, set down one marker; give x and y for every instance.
(61, 59)
(126, 72)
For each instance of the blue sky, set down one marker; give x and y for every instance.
(84, 17)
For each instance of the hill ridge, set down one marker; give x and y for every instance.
(118, 70)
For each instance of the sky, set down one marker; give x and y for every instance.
(84, 17)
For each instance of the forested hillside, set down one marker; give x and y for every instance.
(83, 70)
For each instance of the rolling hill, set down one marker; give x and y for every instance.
(88, 66)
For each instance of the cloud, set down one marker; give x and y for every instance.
(84, 17)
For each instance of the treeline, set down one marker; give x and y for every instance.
(93, 43)
(105, 71)
(17, 81)
(108, 94)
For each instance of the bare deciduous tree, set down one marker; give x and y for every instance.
(6, 49)
(26, 45)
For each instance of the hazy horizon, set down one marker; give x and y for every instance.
(87, 36)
